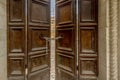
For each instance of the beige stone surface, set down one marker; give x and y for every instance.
(3, 41)
(119, 43)
(103, 41)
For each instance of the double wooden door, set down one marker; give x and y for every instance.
(28, 51)
(29, 28)
(76, 51)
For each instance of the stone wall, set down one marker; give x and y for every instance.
(3, 41)
(103, 40)
(119, 42)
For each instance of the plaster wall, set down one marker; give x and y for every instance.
(3, 40)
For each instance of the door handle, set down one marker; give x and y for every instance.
(59, 37)
(48, 39)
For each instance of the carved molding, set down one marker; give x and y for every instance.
(113, 39)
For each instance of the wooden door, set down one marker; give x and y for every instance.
(88, 40)
(38, 29)
(84, 27)
(28, 25)
(16, 39)
(65, 46)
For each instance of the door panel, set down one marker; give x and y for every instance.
(33, 53)
(38, 28)
(16, 39)
(88, 10)
(65, 46)
(88, 31)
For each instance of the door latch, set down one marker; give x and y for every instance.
(48, 39)
(59, 37)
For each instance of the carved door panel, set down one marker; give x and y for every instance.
(16, 39)
(67, 53)
(28, 24)
(38, 28)
(65, 46)
(88, 31)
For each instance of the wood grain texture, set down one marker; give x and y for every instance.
(38, 28)
(26, 45)
(65, 47)
(16, 39)
(88, 39)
